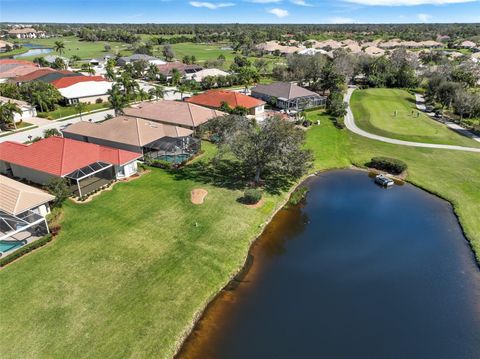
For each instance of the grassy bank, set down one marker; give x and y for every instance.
(374, 112)
(131, 268)
(64, 111)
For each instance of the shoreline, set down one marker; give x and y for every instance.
(247, 258)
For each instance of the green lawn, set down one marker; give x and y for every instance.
(64, 111)
(83, 49)
(130, 269)
(374, 112)
(14, 52)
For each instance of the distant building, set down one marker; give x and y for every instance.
(200, 75)
(122, 61)
(288, 96)
(184, 69)
(10, 69)
(5, 46)
(26, 33)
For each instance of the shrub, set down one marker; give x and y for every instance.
(25, 249)
(391, 165)
(59, 188)
(298, 196)
(252, 196)
(99, 100)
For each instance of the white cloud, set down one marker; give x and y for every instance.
(210, 5)
(300, 3)
(281, 13)
(424, 17)
(407, 2)
(340, 20)
(265, 1)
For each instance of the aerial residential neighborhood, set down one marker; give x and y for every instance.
(245, 179)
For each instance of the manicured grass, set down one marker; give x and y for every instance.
(64, 111)
(20, 50)
(83, 49)
(130, 269)
(374, 110)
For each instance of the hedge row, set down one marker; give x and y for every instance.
(25, 249)
(390, 165)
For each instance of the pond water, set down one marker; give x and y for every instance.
(357, 272)
(34, 52)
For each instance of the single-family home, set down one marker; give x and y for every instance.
(216, 98)
(184, 69)
(85, 166)
(26, 33)
(87, 89)
(5, 46)
(122, 61)
(10, 69)
(200, 75)
(467, 44)
(288, 96)
(22, 214)
(28, 111)
(182, 114)
(148, 138)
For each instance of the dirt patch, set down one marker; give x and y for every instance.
(256, 205)
(197, 195)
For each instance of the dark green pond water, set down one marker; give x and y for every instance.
(357, 272)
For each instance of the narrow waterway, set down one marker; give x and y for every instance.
(357, 272)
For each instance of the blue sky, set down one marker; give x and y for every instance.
(241, 11)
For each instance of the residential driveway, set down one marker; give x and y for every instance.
(59, 125)
(352, 126)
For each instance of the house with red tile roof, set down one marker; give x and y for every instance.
(85, 166)
(216, 98)
(11, 69)
(87, 89)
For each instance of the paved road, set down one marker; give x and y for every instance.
(59, 125)
(352, 126)
(420, 102)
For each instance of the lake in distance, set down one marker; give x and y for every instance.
(358, 271)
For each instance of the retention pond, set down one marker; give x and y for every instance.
(358, 271)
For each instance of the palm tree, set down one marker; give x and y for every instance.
(74, 59)
(152, 72)
(7, 113)
(157, 92)
(143, 94)
(117, 99)
(51, 132)
(81, 107)
(182, 88)
(88, 69)
(59, 47)
(176, 76)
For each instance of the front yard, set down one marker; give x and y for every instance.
(64, 111)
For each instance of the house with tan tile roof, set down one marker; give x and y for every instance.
(22, 214)
(182, 114)
(137, 135)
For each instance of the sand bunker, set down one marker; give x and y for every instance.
(197, 196)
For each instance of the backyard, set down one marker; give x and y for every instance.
(375, 112)
(131, 269)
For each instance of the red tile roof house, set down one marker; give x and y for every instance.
(87, 89)
(215, 99)
(86, 166)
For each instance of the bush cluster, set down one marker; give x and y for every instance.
(391, 165)
(298, 196)
(252, 196)
(25, 249)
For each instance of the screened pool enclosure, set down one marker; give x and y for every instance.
(15, 230)
(174, 150)
(90, 178)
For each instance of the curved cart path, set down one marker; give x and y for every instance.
(352, 126)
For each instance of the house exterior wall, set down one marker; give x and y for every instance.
(27, 112)
(88, 99)
(42, 210)
(32, 175)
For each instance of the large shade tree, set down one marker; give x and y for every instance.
(264, 150)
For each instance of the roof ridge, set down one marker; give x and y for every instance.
(191, 113)
(290, 90)
(64, 143)
(137, 120)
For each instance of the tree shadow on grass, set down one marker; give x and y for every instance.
(230, 174)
